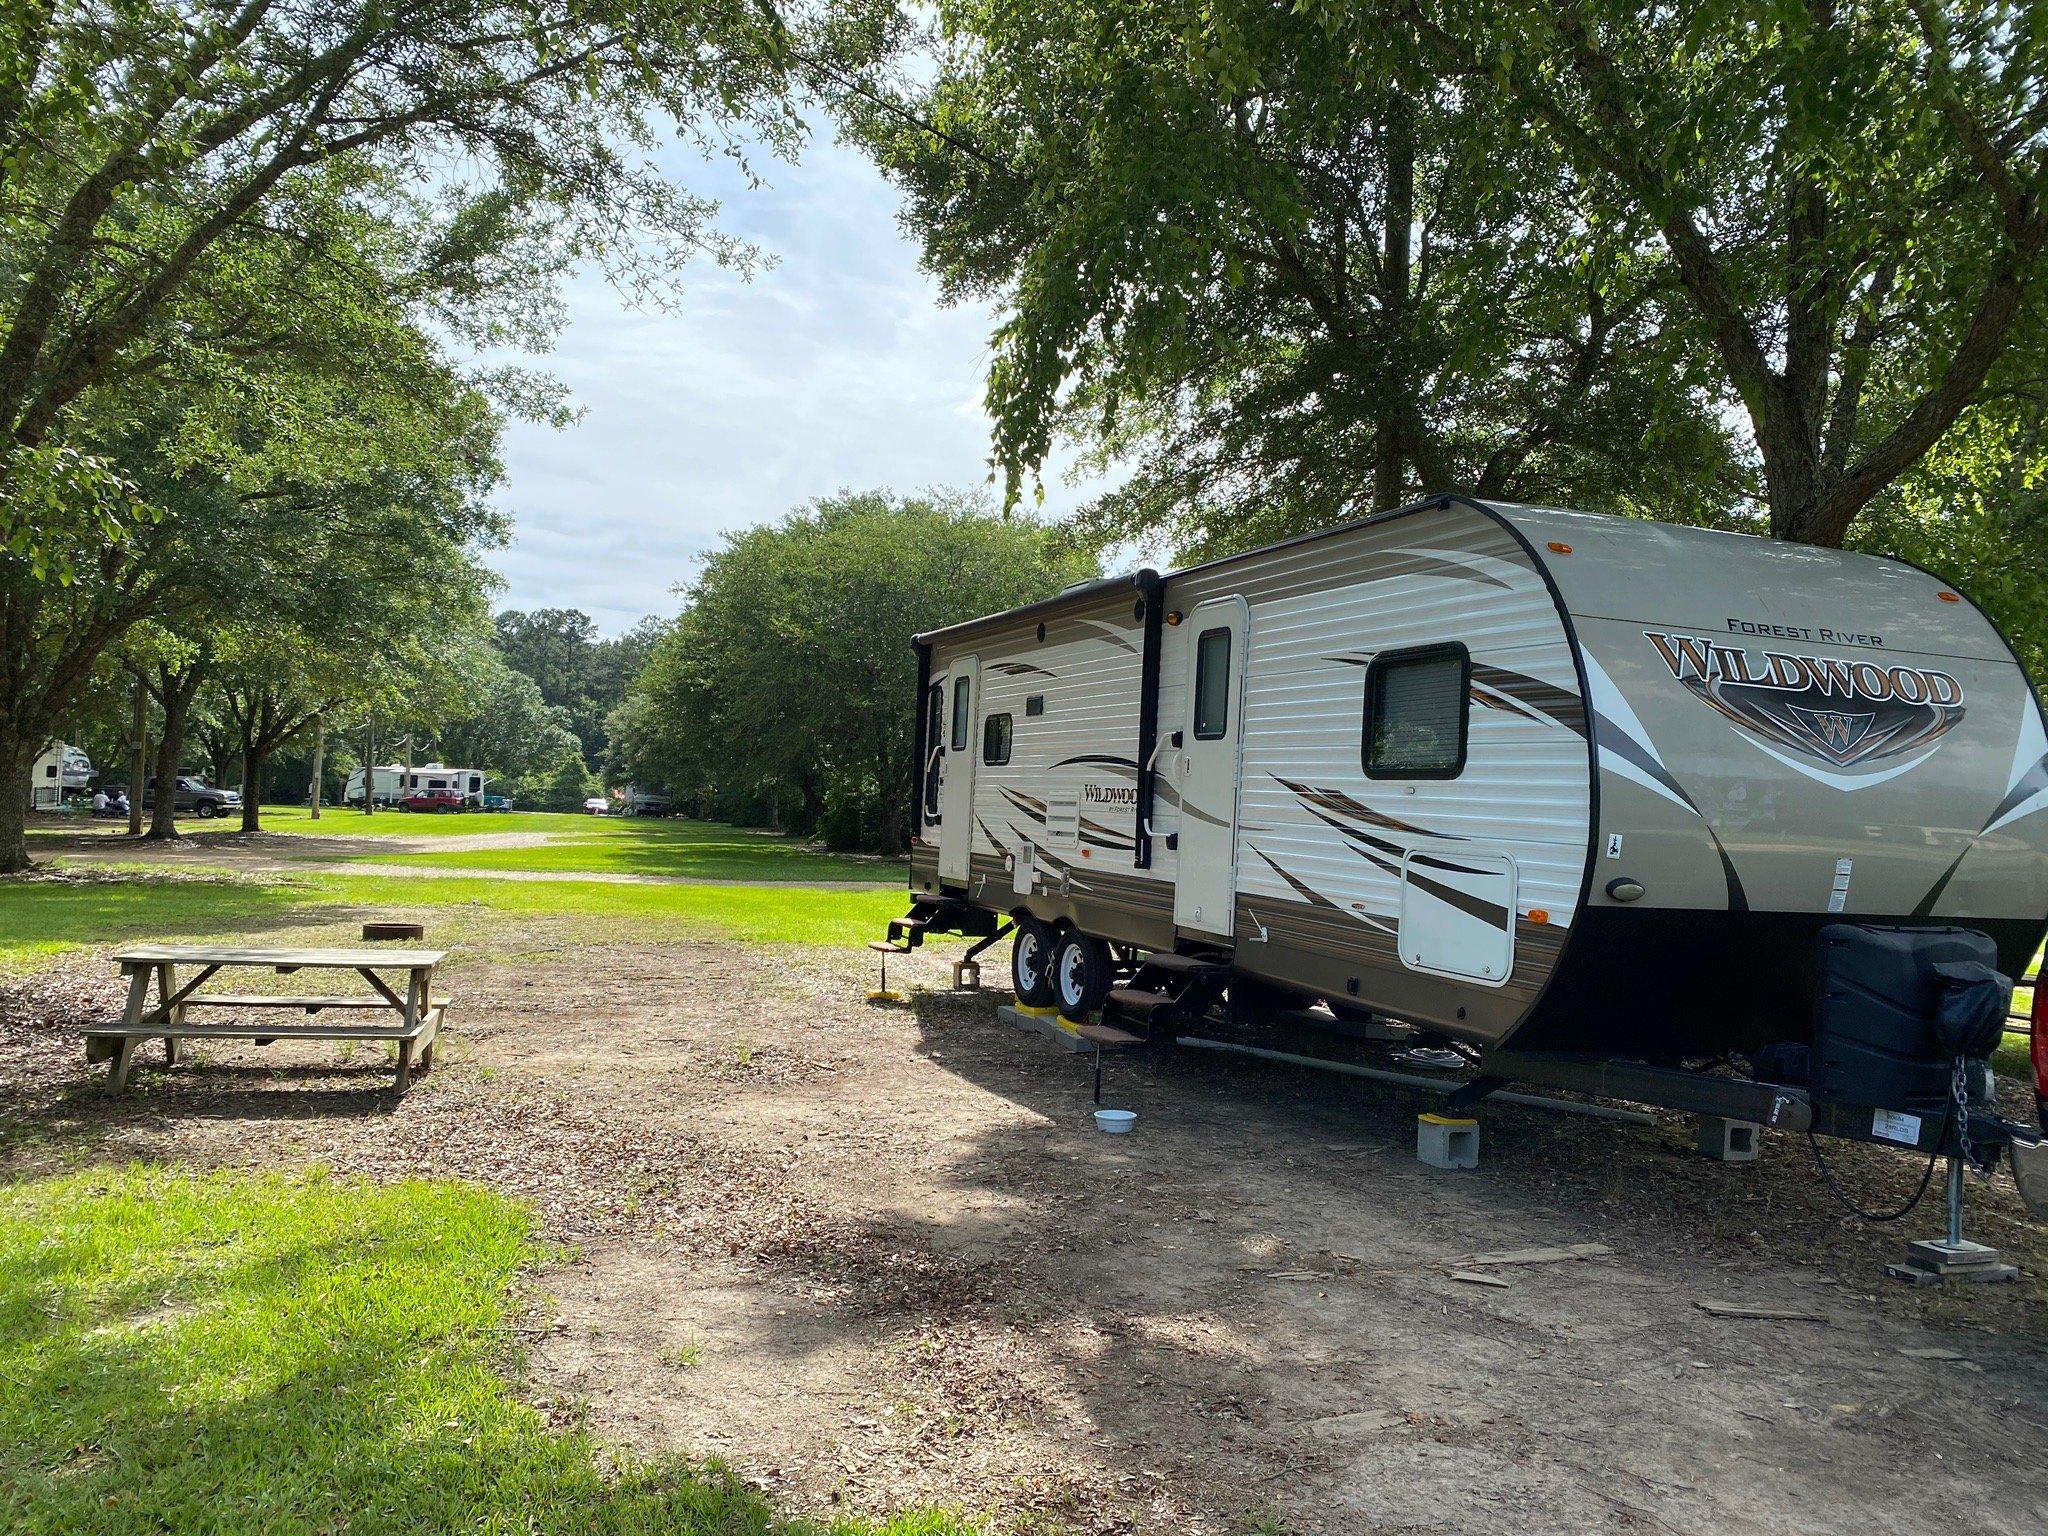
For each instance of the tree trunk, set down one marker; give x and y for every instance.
(252, 761)
(138, 756)
(319, 763)
(1389, 478)
(253, 757)
(17, 779)
(369, 770)
(177, 702)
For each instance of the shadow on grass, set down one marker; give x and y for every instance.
(246, 1354)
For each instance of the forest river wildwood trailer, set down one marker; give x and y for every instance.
(1578, 792)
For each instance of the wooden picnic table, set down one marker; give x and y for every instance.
(408, 997)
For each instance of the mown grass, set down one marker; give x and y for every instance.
(238, 1354)
(43, 918)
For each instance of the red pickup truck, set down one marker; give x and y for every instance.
(442, 799)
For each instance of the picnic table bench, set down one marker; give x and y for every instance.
(415, 1013)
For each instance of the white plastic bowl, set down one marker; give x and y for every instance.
(1117, 1122)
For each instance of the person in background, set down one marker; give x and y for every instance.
(100, 802)
(120, 802)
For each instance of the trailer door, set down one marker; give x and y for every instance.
(956, 770)
(1207, 765)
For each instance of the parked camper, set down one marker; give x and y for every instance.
(60, 770)
(1565, 789)
(394, 783)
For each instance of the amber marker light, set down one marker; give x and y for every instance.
(1538, 917)
(1173, 617)
(1948, 597)
(1557, 548)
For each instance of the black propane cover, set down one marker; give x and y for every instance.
(1894, 1009)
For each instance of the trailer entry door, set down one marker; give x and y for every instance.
(956, 769)
(1205, 885)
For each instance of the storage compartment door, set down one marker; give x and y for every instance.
(1458, 915)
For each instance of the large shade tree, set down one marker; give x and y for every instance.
(1279, 286)
(789, 675)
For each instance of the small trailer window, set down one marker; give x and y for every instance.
(995, 739)
(960, 713)
(1034, 705)
(1212, 684)
(1416, 704)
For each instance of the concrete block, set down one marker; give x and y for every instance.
(1447, 1141)
(1728, 1141)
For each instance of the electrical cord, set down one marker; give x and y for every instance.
(1907, 1209)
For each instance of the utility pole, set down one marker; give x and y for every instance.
(319, 762)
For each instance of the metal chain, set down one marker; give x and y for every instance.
(1959, 1090)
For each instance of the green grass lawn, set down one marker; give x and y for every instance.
(236, 1354)
(636, 845)
(40, 919)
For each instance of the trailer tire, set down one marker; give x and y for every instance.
(1083, 971)
(1031, 957)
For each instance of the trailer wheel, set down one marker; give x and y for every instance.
(1031, 956)
(1082, 973)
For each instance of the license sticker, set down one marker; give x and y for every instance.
(1895, 1125)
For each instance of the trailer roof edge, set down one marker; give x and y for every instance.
(1129, 581)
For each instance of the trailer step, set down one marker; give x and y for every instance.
(1139, 1000)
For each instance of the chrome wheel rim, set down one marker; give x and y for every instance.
(1071, 962)
(1027, 959)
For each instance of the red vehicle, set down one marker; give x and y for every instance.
(442, 799)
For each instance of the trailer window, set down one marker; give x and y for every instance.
(960, 713)
(1212, 684)
(995, 739)
(1416, 707)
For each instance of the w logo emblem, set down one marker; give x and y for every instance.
(1834, 732)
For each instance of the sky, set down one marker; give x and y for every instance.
(837, 368)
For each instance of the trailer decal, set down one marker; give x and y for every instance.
(1558, 704)
(1839, 713)
(1337, 800)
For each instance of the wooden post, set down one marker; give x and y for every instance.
(319, 764)
(370, 769)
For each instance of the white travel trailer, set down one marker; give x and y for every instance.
(61, 769)
(395, 781)
(1579, 793)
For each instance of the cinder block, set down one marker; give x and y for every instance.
(1728, 1141)
(1447, 1141)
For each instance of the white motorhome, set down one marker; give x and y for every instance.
(395, 781)
(1560, 787)
(61, 769)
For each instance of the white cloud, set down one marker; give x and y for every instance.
(836, 368)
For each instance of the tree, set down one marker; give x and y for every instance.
(1855, 198)
(789, 675)
(507, 727)
(197, 202)
(1280, 285)
(575, 669)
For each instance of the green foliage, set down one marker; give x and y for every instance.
(1283, 287)
(788, 678)
(507, 727)
(576, 671)
(239, 1353)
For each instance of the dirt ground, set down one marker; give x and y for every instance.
(877, 1257)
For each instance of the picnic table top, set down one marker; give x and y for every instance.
(306, 959)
